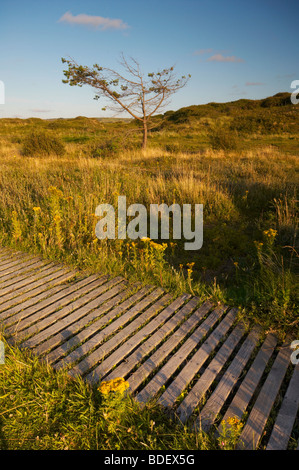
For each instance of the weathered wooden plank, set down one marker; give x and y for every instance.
(5, 259)
(38, 328)
(50, 295)
(164, 374)
(88, 331)
(5, 262)
(253, 429)
(109, 329)
(155, 360)
(10, 265)
(153, 341)
(5, 254)
(96, 340)
(64, 305)
(118, 355)
(216, 401)
(285, 420)
(198, 391)
(14, 278)
(244, 394)
(27, 280)
(95, 375)
(10, 277)
(36, 312)
(54, 332)
(28, 298)
(93, 329)
(195, 363)
(18, 295)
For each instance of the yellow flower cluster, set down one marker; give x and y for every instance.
(190, 268)
(233, 421)
(271, 233)
(118, 385)
(54, 190)
(157, 246)
(258, 245)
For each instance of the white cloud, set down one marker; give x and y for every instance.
(222, 58)
(93, 21)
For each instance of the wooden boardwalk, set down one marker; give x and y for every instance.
(196, 359)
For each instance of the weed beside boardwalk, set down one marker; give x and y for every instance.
(46, 410)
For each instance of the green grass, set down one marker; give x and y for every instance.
(47, 206)
(249, 258)
(46, 410)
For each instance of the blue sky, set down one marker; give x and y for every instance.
(232, 48)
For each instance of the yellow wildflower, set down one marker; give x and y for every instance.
(118, 385)
(37, 209)
(258, 244)
(233, 420)
(190, 265)
(271, 233)
(159, 247)
(54, 190)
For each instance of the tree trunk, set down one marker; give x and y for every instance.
(144, 142)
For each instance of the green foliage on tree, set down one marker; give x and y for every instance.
(133, 92)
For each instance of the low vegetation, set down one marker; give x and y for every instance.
(46, 410)
(240, 160)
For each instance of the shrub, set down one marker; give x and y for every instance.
(173, 147)
(261, 123)
(42, 143)
(105, 150)
(223, 139)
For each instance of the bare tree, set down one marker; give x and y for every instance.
(140, 96)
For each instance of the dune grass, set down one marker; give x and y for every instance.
(249, 257)
(47, 206)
